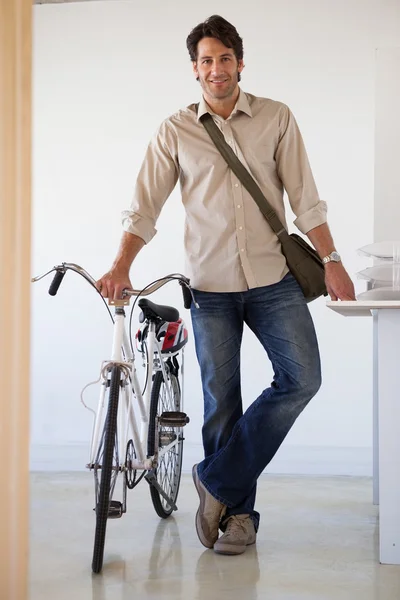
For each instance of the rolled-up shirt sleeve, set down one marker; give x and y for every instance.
(156, 180)
(295, 173)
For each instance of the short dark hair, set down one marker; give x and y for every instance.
(215, 27)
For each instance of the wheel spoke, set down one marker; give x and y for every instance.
(169, 466)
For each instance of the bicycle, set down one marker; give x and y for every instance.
(116, 446)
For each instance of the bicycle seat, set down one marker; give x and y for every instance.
(152, 311)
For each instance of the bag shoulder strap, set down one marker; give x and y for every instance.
(243, 174)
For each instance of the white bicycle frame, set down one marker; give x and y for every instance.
(122, 355)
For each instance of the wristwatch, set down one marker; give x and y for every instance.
(332, 257)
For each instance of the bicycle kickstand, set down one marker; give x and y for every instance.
(152, 480)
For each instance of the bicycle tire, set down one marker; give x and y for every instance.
(102, 506)
(157, 406)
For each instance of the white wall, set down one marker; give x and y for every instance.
(105, 75)
(387, 135)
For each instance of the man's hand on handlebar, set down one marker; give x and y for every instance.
(113, 283)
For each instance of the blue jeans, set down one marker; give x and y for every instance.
(237, 446)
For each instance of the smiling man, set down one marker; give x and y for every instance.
(240, 276)
(218, 71)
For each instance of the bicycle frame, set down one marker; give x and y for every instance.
(122, 355)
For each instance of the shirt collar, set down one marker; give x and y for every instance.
(242, 104)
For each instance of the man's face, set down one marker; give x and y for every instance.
(217, 69)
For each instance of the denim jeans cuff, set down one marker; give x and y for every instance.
(213, 494)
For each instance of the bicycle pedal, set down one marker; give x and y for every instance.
(115, 509)
(173, 419)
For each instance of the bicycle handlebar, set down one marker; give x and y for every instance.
(62, 269)
(57, 279)
(187, 296)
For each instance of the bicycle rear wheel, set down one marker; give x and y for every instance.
(107, 464)
(169, 468)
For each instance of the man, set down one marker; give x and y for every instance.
(238, 271)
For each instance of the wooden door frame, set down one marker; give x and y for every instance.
(15, 252)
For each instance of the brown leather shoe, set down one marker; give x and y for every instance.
(239, 533)
(209, 514)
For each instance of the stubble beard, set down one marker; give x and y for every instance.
(219, 94)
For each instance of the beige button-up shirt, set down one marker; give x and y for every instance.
(229, 245)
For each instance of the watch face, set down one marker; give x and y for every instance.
(335, 256)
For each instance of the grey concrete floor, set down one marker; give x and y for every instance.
(318, 540)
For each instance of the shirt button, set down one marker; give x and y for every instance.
(241, 249)
(239, 206)
(240, 228)
(236, 185)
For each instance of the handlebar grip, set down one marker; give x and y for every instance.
(187, 296)
(55, 284)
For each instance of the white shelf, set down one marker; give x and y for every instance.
(361, 308)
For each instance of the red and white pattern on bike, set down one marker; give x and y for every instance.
(172, 335)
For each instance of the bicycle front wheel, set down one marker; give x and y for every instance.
(165, 397)
(107, 464)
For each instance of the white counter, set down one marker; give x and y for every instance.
(361, 308)
(386, 385)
